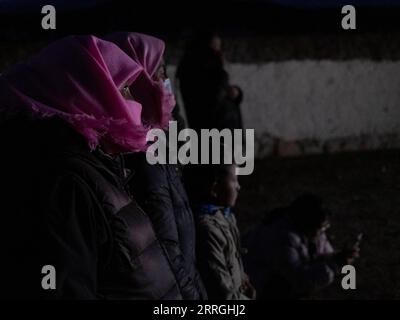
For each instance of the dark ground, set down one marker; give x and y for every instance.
(363, 192)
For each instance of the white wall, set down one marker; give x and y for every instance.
(322, 100)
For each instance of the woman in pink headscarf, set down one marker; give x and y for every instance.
(71, 228)
(153, 89)
(158, 188)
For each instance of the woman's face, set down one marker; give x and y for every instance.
(125, 92)
(161, 72)
(159, 75)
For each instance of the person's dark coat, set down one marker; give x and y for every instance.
(177, 116)
(160, 191)
(229, 115)
(203, 83)
(67, 207)
(283, 264)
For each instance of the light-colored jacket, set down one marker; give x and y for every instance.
(219, 256)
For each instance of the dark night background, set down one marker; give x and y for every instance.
(361, 187)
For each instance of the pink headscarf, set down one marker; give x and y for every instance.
(148, 52)
(79, 79)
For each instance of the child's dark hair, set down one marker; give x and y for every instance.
(199, 179)
(307, 211)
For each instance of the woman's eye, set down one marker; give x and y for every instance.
(161, 73)
(126, 92)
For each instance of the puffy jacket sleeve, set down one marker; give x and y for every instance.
(70, 242)
(151, 187)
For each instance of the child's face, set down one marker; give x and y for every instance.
(227, 189)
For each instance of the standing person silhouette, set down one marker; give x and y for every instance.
(203, 80)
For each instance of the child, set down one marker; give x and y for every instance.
(214, 189)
